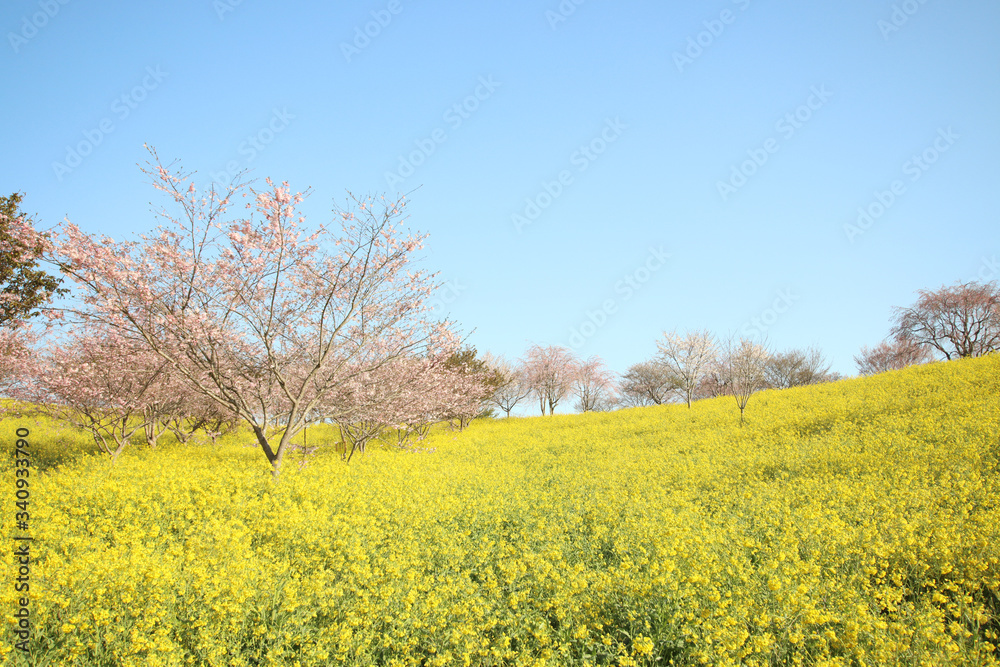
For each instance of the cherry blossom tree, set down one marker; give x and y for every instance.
(549, 372)
(16, 341)
(687, 358)
(99, 381)
(175, 408)
(165, 399)
(407, 394)
(594, 386)
(891, 355)
(196, 413)
(362, 408)
(419, 402)
(962, 320)
(715, 383)
(252, 312)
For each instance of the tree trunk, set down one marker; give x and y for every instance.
(279, 455)
(274, 458)
(118, 450)
(152, 436)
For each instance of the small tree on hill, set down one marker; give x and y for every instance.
(797, 368)
(745, 369)
(549, 372)
(511, 387)
(647, 383)
(16, 341)
(687, 358)
(594, 386)
(891, 356)
(715, 383)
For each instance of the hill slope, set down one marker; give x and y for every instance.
(851, 523)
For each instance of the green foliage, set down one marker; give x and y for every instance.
(467, 361)
(20, 276)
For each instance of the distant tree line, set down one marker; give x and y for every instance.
(949, 323)
(686, 368)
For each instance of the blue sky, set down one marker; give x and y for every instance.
(639, 166)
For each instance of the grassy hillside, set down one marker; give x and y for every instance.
(844, 524)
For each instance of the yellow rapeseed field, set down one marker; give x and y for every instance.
(855, 523)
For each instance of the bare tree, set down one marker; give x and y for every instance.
(511, 386)
(958, 321)
(745, 370)
(594, 386)
(797, 368)
(687, 358)
(647, 383)
(549, 372)
(890, 356)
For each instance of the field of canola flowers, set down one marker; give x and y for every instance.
(855, 523)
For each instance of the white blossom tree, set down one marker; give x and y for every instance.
(687, 358)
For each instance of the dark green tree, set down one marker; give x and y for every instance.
(466, 362)
(23, 286)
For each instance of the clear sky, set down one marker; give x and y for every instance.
(643, 166)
